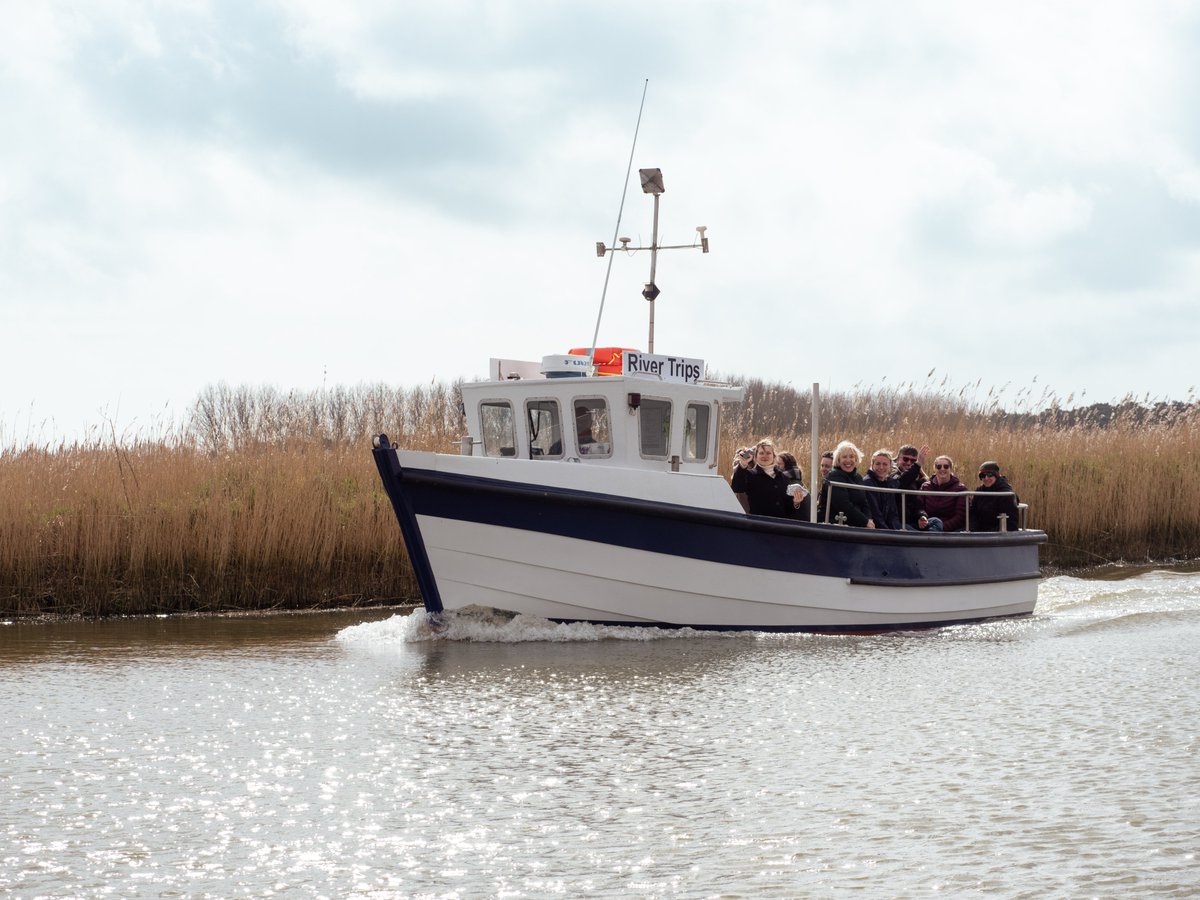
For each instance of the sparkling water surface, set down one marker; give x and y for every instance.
(348, 755)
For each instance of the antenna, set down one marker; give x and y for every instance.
(652, 183)
(620, 209)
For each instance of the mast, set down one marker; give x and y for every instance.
(652, 183)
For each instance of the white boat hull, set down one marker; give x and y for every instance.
(567, 579)
(566, 552)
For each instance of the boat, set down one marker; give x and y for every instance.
(582, 495)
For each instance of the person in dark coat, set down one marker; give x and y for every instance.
(762, 486)
(885, 508)
(910, 477)
(834, 500)
(791, 469)
(942, 500)
(986, 511)
(826, 463)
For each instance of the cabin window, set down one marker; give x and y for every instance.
(696, 432)
(593, 434)
(499, 433)
(654, 421)
(545, 429)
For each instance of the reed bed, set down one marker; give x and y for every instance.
(265, 500)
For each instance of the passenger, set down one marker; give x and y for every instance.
(852, 503)
(885, 508)
(986, 511)
(826, 464)
(909, 477)
(791, 468)
(940, 502)
(764, 485)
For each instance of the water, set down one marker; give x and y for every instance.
(328, 755)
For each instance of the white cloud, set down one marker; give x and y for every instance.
(357, 191)
(1031, 219)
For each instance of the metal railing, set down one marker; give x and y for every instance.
(1022, 508)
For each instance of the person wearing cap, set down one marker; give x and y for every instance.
(986, 510)
(909, 477)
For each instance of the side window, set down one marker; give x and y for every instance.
(545, 429)
(696, 431)
(499, 436)
(654, 422)
(593, 434)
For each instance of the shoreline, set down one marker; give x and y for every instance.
(58, 618)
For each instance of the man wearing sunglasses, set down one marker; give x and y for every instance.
(910, 478)
(986, 511)
(941, 499)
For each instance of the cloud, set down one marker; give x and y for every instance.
(297, 191)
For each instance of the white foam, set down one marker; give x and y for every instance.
(483, 625)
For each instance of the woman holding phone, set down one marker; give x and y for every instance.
(763, 485)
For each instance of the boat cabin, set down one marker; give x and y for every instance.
(657, 414)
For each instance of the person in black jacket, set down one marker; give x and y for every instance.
(986, 511)
(791, 468)
(834, 500)
(762, 486)
(885, 508)
(826, 463)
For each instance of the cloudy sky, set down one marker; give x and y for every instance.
(312, 193)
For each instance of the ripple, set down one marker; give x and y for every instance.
(1047, 756)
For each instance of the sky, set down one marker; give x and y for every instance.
(1001, 198)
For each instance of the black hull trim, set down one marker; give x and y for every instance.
(391, 472)
(802, 629)
(959, 582)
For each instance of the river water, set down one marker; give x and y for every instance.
(349, 755)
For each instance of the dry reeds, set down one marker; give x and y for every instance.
(261, 502)
(267, 500)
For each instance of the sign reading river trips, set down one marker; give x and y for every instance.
(678, 369)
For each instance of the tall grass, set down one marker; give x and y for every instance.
(264, 500)
(261, 502)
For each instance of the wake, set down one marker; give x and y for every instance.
(482, 625)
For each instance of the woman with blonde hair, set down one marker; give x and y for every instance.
(846, 501)
(762, 483)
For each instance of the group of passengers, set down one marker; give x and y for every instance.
(763, 480)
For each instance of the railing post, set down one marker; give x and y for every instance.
(1003, 517)
(815, 454)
